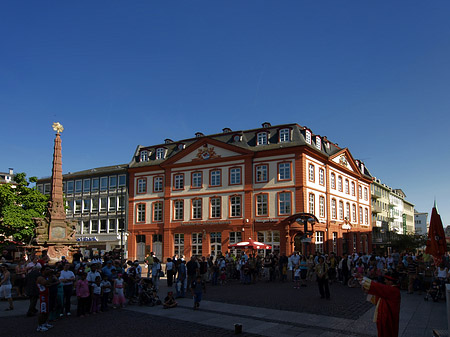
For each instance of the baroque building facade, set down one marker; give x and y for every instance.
(197, 196)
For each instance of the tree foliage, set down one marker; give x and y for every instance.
(19, 204)
(409, 242)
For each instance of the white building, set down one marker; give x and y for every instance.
(421, 222)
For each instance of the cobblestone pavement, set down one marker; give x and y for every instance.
(344, 303)
(112, 323)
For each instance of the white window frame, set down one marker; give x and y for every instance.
(339, 183)
(318, 143)
(143, 156)
(321, 176)
(142, 186)
(322, 206)
(197, 209)
(318, 241)
(262, 172)
(178, 210)
(157, 211)
(284, 171)
(141, 212)
(178, 183)
(262, 202)
(311, 203)
(235, 176)
(160, 153)
(308, 137)
(235, 206)
(341, 210)
(197, 244)
(197, 179)
(158, 184)
(216, 207)
(284, 135)
(262, 138)
(178, 244)
(284, 203)
(333, 209)
(215, 178)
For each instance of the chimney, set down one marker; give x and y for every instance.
(11, 171)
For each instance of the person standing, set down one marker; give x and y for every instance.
(31, 290)
(5, 286)
(387, 299)
(412, 274)
(156, 270)
(149, 263)
(322, 278)
(43, 283)
(170, 267)
(83, 295)
(197, 288)
(67, 279)
(192, 270)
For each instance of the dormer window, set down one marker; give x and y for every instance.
(143, 156)
(284, 135)
(199, 135)
(266, 125)
(318, 142)
(261, 138)
(181, 146)
(160, 153)
(237, 138)
(308, 136)
(168, 141)
(226, 130)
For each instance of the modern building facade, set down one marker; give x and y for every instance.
(197, 196)
(97, 199)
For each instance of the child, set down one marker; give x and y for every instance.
(169, 301)
(82, 291)
(96, 295)
(58, 309)
(197, 288)
(119, 298)
(297, 277)
(223, 276)
(433, 291)
(106, 290)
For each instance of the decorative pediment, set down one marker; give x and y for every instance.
(345, 159)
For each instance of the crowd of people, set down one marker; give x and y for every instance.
(104, 282)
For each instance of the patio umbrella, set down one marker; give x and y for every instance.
(436, 243)
(250, 244)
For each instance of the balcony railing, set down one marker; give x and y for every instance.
(376, 194)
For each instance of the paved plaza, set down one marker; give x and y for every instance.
(263, 309)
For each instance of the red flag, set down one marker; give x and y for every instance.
(436, 243)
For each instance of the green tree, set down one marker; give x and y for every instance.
(409, 242)
(19, 204)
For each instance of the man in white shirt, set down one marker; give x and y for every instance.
(67, 279)
(92, 274)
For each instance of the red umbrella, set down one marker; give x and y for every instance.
(250, 244)
(436, 243)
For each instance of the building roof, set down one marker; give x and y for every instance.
(98, 171)
(245, 139)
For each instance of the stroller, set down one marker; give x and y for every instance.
(147, 293)
(434, 292)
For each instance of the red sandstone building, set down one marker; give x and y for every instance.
(199, 195)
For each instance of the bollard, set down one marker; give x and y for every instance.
(237, 328)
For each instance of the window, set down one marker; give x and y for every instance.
(366, 216)
(321, 177)
(142, 185)
(321, 206)
(70, 187)
(347, 211)
(112, 204)
(77, 206)
(94, 226)
(333, 181)
(340, 184)
(333, 208)
(94, 204)
(353, 188)
(347, 186)
(112, 181)
(360, 215)
(215, 207)
(341, 210)
(311, 172)
(157, 211)
(261, 173)
(235, 205)
(354, 242)
(46, 188)
(284, 135)
(261, 204)
(86, 205)
(112, 226)
(178, 210)
(86, 185)
(311, 203)
(284, 171)
(78, 185)
(235, 176)
(271, 238)
(216, 242)
(140, 213)
(262, 138)
(196, 180)
(365, 193)
(354, 213)
(284, 203)
(121, 203)
(86, 227)
(103, 183)
(95, 184)
(122, 180)
(319, 235)
(103, 224)
(308, 136)
(40, 188)
(197, 209)
(235, 237)
(360, 192)
(215, 178)
(318, 143)
(157, 184)
(335, 239)
(178, 181)
(196, 244)
(160, 153)
(121, 224)
(179, 244)
(143, 156)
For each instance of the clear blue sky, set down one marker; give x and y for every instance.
(373, 76)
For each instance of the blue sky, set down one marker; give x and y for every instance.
(371, 76)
